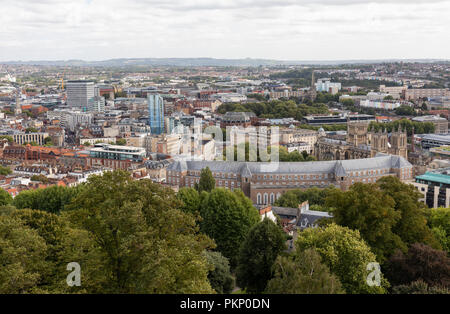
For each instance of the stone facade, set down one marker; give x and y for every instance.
(264, 183)
(357, 144)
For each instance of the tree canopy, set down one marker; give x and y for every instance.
(227, 217)
(346, 255)
(263, 244)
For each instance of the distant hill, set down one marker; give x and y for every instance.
(204, 62)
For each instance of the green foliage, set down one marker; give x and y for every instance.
(326, 127)
(439, 221)
(9, 138)
(412, 226)
(419, 287)
(227, 218)
(22, 253)
(4, 171)
(276, 109)
(5, 198)
(40, 178)
(346, 255)
(263, 244)
(367, 209)
(190, 199)
(121, 142)
(314, 195)
(303, 273)
(220, 278)
(388, 215)
(405, 124)
(421, 262)
(206, 182)
(52, 199)
(31, 130)
(48, 141)
(148, 245)
(405, 110)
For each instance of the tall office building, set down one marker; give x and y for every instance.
(79, 93)
(156, 114)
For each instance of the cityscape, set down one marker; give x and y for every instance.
(237, 176)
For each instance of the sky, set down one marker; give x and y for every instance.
(310, 30)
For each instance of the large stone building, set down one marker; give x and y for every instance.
(264, 183)
(362, 144)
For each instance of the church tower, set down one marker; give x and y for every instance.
(357, 133)
(379, 142)
(399, 143)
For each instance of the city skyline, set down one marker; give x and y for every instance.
(311, 30)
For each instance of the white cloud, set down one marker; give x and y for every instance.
(284, 29)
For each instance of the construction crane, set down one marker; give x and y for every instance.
(62, 80)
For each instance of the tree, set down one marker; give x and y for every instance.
(364, 207)
(302, 273)
(7, 137)
(439, 221)
(421, 262)
(412, 226)
(40, 178)
(191, 200)
(4, 171)
(206, 182)
(121, 142)
(419, 287)
(263, 244)
(314, 196)
(31, 130)
(346, 255)
(52, 199)
(149, 245)
(220, 277)
(22, 254)
(227, 218)
(48, 141)
(5, 198)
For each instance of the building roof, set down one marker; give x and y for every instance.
(434, 177)
(340, 168)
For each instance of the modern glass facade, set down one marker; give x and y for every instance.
(156, 114)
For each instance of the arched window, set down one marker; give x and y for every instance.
(278, 195)
(258, 198)
(266, 199)
(272, 198)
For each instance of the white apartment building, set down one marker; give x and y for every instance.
(325, 85)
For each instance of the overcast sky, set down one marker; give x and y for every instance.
(273, 29)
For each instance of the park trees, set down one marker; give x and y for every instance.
(346, 255)
(258, 252)
(421, 262)
(143, 236)
(220, 277)
(227, 217)
(303, 273)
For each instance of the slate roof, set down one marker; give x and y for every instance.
(339, 167)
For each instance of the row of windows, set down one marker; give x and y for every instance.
(294, 177)
(263, 199)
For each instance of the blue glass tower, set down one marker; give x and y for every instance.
(156, 114)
